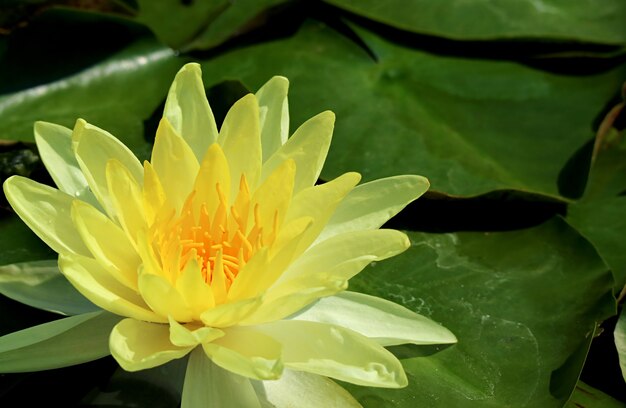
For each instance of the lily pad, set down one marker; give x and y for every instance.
(581, 20)
(599, 215)
(470, 126)
(200, 24)
(522, 304)
(117, 94)
(603, 223)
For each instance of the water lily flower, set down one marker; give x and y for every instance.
(223, 248)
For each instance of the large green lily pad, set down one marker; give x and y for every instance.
(523, 305)
(117, 94)
(200, 24)
(580, 20)
(470, 126)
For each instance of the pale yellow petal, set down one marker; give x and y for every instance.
(138, 345)
(54, 143)
(274, 114)
(386, 322)
(229, 314)
(47, 212)
(189, 335)
(93, 147)
(246, 352)
(308, 147)
(127, 200)
(213, 171)
(371, 204)
(326, 255)
(175, 164)
(277, 308)
(304, 390)
(240, 138)
(319, 202)
(188, 110)
(163, 298)
(208, 385)
(107, 242)
(335, 352)
(97, 285)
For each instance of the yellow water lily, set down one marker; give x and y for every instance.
(223, 247)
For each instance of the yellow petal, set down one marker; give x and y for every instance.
(266, 266)
(308, 147)
(295, 387)
(274, 114)
(319, 202)
(213, 171)
(54, 143)
(46, 211)
(229, 314)
(175, 164)
(188, 110)
(246, 352)
(138, 345)
(335, 352)
(240, 138)
(274, 196)
(97, 285)
(153, 193)
(386, 322)
(190, 335)
(163, 298)
(326, 255)
(192, 287)
(277, 308)
(126, 198)
(208, 385)
(107, 243)
(93, 147)
(370, 205)
(150, 264)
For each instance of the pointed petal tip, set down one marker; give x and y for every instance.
(191, 68)
(41, 125)
(327, 115)
(279, 81)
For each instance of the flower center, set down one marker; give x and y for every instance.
(221, 242)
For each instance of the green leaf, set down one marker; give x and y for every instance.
(117, 94)
(40, 284)
(606, 178)
(469, 126)
(581, 20)
(521, 304)
(199, 24)
(18, 243)
(60, 343)
(620, 341)
(603, 223)
(588, 397)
